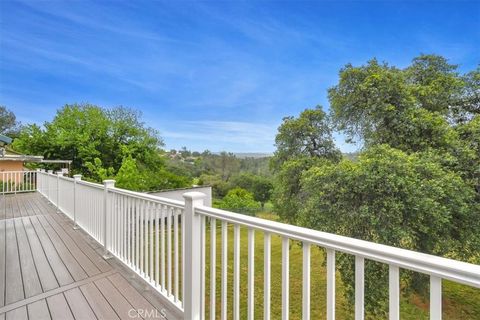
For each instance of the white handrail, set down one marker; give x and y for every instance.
(454, 270)
(149, 197)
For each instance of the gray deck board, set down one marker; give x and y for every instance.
(114, 297)
(68, 259)
(79, 306)
(18, 314)
(99, 305)
(31, 280)
(13, 275)
(61, 272)
(82, 259)
(59, 308)
(38, 310)
(50, 271)
(137, 301)
(45, 272)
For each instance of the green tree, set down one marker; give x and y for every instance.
(416, 182)
(128, 176)
(260, 187)
(219, 186)
(301, 142)
(368, 99)
(82, 133)
(393, 198)
(407, 108)
(99, 141)
(434, 83)
(308, 135)
(8, 123)
(469, 101)
(239, 200)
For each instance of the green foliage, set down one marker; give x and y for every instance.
(434, 83)
(128, 176)
(397, 199)
(260, 187)
(368, 99)
(403, 107)
(102, 143)
(97, 171)
(416, 182)
(239, 200)
(8, 123)
(300, 142)
(219, 186)
(309, 135)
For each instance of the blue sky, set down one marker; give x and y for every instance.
(213, 75)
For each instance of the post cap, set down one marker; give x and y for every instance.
(109, 183)
(194, 195)
(50, 171)
(77, 176)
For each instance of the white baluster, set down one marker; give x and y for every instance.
(285, 278)
(251, 274)
(213, 266)
(266, 274)
(330, 284)
(435, 298)
(224, 269)
(394, 292)
(359, 287)
(306, 282)
(236, 272)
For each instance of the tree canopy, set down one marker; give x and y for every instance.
(8, 123)
(102, 143)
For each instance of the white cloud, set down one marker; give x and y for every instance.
(221, 135)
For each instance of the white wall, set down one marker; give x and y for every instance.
(177, 194)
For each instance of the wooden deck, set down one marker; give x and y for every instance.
(50, 271)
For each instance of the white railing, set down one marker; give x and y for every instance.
(18, 181)
(143, 231)
(147, 234)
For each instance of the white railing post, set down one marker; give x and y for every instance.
(59, 174)
(435, 298)
(76, 177)
(192, 258)
(106, 185)
(49, 188)
(36, 179)
(41, 181)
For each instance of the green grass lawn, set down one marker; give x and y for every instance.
(460, 302)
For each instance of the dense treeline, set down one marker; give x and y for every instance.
(239, 184)
(416, 181)
(114, 143)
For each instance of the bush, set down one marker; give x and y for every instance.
(239, 200)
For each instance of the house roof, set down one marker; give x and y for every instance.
(5, 140)
(21, 157)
